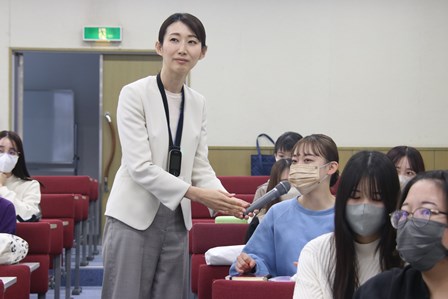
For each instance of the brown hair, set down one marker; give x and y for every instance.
(323, 146)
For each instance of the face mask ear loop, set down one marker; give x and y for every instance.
(327, 174)
(331, 163)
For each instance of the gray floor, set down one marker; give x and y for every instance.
(90, 282)
(87, 293)
(92, 290)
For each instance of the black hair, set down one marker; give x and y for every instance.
(414, 157)
(378, 171)
(286, 141)
(190, 21)
(440, 177)
(20, 169)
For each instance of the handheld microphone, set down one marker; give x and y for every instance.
(279, 190)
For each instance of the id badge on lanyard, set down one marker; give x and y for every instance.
(174, 152)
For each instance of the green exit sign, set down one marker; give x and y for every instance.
(104, 34)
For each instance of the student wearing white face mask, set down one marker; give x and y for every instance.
(289, 225)
(334, 265)
(15, 182)
(408, 162)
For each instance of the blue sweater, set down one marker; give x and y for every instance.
(280, 237)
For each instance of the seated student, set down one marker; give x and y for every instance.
(15, 182)
(422, 241)
(408, 162)
(7, 217)
(279, 172)
(282, 150)
(363, 242)
(290, 224)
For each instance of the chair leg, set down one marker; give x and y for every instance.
(68, 272)
(77, 288)
(84, 234)
(57, 276)
(91, 231)
(97, 227)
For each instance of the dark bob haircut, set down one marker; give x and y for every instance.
(190, 21)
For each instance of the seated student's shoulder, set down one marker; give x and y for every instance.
(394, 283)
(281, 211)
(320, 245)
(283, 207)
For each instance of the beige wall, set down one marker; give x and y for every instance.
(236, 160)
(366, 73)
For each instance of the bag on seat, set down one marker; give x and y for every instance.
(262, 164)
(13, 249)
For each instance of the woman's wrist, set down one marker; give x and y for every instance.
(193, 193)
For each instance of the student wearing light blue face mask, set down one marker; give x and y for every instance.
(363, 244)
(16, 184)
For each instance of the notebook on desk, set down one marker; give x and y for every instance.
(249, 277)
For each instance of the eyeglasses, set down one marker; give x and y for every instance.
(420, 217)
(11, 152)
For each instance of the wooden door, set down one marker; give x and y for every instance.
(117, 71)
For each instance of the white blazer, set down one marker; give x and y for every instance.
(142, 182)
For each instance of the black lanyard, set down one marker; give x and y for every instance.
(180, 124)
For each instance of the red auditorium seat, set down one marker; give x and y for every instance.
(56, 248)
(62, 207)
(21, 289)
(244, 188)
(38, 236)
(81, 186)
(206, 236)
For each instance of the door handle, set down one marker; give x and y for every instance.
(111, 157)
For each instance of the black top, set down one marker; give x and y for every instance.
(396, 283)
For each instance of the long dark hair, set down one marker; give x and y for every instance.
(379, 172)
(20, 169)
(276, 176)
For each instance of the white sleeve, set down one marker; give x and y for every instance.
(311, 280)
(26, 198)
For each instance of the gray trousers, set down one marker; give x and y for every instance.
(149, 264)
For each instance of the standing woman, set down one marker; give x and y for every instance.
(164, 167)
(422, 241)
(334, 265)
(16, 184)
